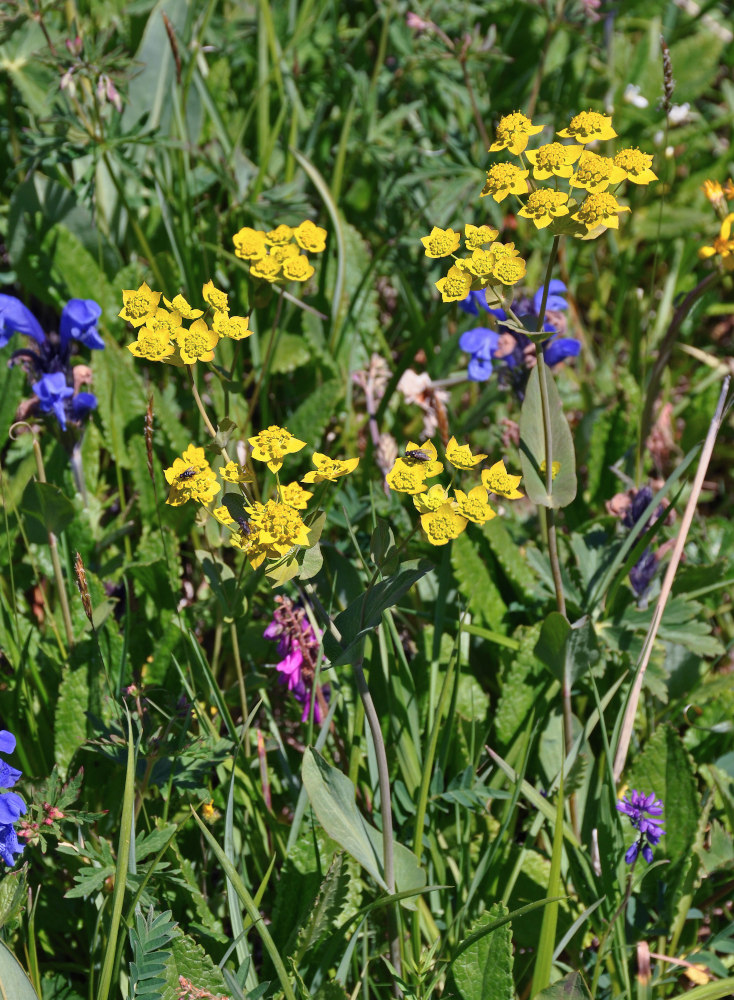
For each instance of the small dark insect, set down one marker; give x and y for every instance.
(187, 473)
(244, 525)
(417, 455)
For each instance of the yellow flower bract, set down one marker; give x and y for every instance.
(273, 444)
(513, 133)
(498, 480)
(329, 469)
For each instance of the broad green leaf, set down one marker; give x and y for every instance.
(532, 446)
(332, 796)
(473, 570)
(70, 723)
(14, 983)
(290, 352)
(188, 959)
(365, 613)
(310, 419)
(484, 969)
(571, 987)
(47, 504)
(13, 893)
(567, 650)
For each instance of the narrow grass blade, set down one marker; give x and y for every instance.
(546, 944)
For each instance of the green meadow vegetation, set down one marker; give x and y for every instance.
(367, 559)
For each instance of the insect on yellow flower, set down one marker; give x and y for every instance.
(441, 242)
(423, 456)
(513, 133)
(498, 480)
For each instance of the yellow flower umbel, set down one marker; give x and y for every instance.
(504, 179)
(423, 456)
(543, 206)
(498, 480)
(430, 500)
(280, 235)
(294, 495)
(191, 478)
(723, 245)
(152, 345)
(455, 286)
(273, 444)
(140, 305)
(274, 257)
(443, 524)
(715, 194)
(595, 173)
(217, 299)
(277, 528)
(197, 343)
(297, 268)
(233, 472)
(329, 469)
(599, 210)
(441, 242)
(249, 244)
(553, 160)
(310, 237)
(233, 327)
(588, 126)
(461, 457)
(180, 305)
(404, 478)
(474, 506)
(476, 237)
(636, 165)
(513, 133)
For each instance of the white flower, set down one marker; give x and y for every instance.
(633, 96)
(678, 113)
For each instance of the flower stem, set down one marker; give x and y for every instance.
(55, 561)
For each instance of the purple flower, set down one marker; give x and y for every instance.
(79, 322)
(17, 318)
(82, 405)
(639, 808)
(52, 392)
(298, 648)
(481, 343)
(12, 805)
(9, 845)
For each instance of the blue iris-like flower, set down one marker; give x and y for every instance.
(50, 361)
(635, 808)
(12, 805)
(483, 343)
(52, 392)
(79, 322)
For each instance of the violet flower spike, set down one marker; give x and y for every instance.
(641, 811)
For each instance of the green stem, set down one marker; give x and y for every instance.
(607, 930)
(132, 216)
(240, 680)
(55, 561)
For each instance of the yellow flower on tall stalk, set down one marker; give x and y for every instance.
(461, 457)
(543, 206)
(180, 305)
(553, 160)
(595, 173)
(455, 286)
(474, 505)
(723, 245)
(139, 305)
(329, 469)
(588, 126)
(599, 210)
(152, 345)
(498, 480)
(636, 165)
(197, 343)
(441, 242)
(504, 179)
(273, 444)
(310, 237)
(442, 525)
(513, 133)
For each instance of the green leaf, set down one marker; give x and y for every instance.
(325, 910)
(472, 569)
(290, 352)
(571, 987)
(365, 613)
(13, 893)
(313, 560)
(70, 723)
(13, 980)
(532, 446)
(484, 969)
(331, 794)
(188, 959)
(47, 504)
(149, 938)
(222, 581)
(309, 420)
(567, 650)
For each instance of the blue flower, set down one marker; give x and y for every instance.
(12, 805)
(636, 808)
(52, 392)
(485, 348)
(17, 318)
(79, 322)
(82, 405)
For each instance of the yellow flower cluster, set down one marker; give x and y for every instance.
(487, 263)
(161, 334)
(443, 517)
(276, 256)
(583, 169)
(272, 528)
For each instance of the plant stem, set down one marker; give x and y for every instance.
(55, 561)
